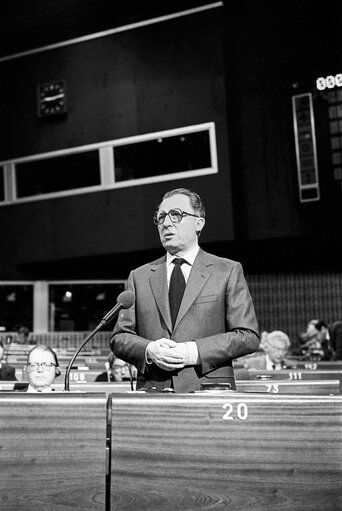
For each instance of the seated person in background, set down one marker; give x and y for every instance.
(276, 345)
(315, 342)
(23, 335)
(7, 372)
(114, 369)
(42, 368)
(335, 332)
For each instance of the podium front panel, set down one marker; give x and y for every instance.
(53, 451)
(227, 451)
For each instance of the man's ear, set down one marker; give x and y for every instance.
(57, 371)
(199, 224)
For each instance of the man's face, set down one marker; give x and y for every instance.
(276, 350)
(311, 331)
(41, 377)
(177, 238)
(117, 372)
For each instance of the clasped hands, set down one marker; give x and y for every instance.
(168, 354)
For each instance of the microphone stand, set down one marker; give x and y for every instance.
(124, 301)
(89, 336)
(130, 376)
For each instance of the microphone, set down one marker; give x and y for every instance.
(125, 300)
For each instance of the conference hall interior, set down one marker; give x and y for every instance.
(105, 107)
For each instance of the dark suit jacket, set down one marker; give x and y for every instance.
(104, 377)
(216, 311)
(7, 372)
(335, 331)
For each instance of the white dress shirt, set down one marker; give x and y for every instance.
(33, 390)
(189, 257)
(271, 365)
(192, 357)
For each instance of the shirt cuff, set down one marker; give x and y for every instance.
(193, 353)
(148, 360)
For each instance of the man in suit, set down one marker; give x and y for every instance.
(115, 370)
(335, 332)
(276, 345)
(328, 338)
(7, 372)
(215, 322)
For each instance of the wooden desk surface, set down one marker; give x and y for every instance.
(299, 375)
(323, 365)
(314, 387)
(294, 374)
(232, 452)
(53, 452)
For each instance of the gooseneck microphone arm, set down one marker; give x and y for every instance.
(67, 372)
(124, 301)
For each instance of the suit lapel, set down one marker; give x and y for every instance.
(198, 277)
(160, 292)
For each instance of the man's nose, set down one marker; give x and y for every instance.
(167, 221)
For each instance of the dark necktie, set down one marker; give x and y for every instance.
(176, 289)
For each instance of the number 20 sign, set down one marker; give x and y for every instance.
(241, 412)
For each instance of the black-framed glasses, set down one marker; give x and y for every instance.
(176, 215)
(44, 365)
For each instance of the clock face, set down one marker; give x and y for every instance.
(52, 98)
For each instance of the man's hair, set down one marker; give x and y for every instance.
(42, 347)
(318, 324)
(195, 200)
(279, 335)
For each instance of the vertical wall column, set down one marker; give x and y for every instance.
(41, 307)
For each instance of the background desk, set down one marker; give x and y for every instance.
(53, 452)
(277, 386)
(294, 375)
(232, 452)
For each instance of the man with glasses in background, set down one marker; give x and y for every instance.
(42, 369)
(193, 313)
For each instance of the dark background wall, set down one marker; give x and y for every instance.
(234, 65)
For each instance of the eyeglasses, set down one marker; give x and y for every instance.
(44, 365)
(277, 348)
(175, 215)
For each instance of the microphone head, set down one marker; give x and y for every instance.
(126, 299)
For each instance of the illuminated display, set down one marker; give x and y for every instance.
(306, 152)
(329, 82)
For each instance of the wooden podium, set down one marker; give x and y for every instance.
(217, 451)
(226, 452)
(53, 451)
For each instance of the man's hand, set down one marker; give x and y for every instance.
(163, 353)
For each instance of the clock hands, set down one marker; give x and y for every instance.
(53, 98)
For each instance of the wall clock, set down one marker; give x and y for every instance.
(52, 99)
